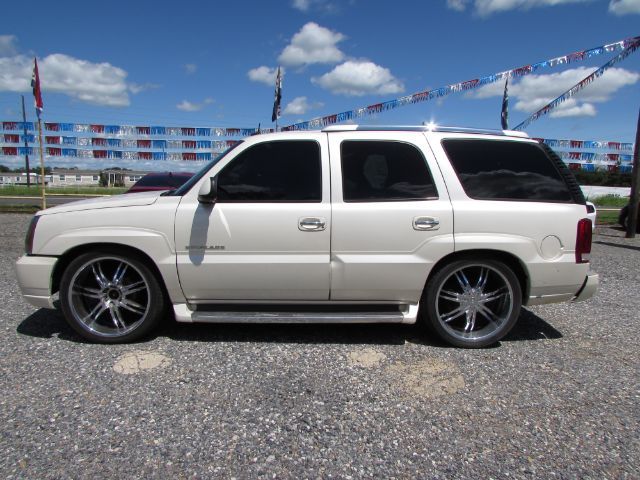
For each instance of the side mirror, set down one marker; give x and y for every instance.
(208, 192)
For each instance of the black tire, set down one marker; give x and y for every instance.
(472, 303)
(622, 217)
(110, 297)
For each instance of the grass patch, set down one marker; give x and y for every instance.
(34, 191)
(607, 218)
(19, 208)
(609, 201)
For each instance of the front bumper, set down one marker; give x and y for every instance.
(34, 278)
(589, 288)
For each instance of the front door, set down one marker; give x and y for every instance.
(267, 237)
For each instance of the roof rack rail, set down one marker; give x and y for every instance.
(422, 128)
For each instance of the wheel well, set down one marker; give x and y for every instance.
(507, 258)
(67, 257)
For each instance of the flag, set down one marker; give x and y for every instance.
(277, 97)
(504, 116)
(35, 84)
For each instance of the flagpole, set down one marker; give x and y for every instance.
(37, 97)
(44, 201)
(276, 100)
(26, 144)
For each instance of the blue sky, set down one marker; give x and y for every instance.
(212, 63)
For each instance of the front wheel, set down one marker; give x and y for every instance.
(472, 303)
(109, 297)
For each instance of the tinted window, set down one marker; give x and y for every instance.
(498, 170)
(281, 171)
(383, 171)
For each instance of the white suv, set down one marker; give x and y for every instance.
(452, 227)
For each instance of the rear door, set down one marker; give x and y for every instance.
(391, 215)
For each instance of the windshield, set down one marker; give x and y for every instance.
(187, 186)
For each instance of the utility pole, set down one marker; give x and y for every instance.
(26, 144)
(632, 218)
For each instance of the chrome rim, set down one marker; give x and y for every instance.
(474, 302)
(109, 296)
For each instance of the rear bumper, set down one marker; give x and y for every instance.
(34, 278)
(585, 291)
(589, 288)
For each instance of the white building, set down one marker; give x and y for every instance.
(122, 178)
(73, 178)
(18, 178)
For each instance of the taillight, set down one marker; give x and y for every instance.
(583, 241)
(28, 241)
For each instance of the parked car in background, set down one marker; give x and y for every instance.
(160, 181)
(624, 214)
(591, 213)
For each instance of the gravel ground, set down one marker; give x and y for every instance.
(559, 398)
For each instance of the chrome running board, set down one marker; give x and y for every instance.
(403, 314)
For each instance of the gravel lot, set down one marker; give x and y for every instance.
(559, 398)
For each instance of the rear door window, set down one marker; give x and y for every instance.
(384, 171)
(504, 170)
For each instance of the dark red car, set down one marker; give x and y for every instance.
(160, 181)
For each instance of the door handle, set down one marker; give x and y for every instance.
(426, 223)
(312, 224)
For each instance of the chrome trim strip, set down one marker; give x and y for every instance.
(296, 317)
(406, 314)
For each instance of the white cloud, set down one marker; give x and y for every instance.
(487, 7)
(264, 75)
(459, 5)
(571, 108)
(7, 45)
(535, 91)
(300, 106)
(623, 7)
(312, 44)
(96, 83)
(318, 5)
(136, 88)
(302, 5)
(359, 77)
(187, 106)
(191, 68)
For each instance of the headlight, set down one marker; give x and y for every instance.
(28, 241)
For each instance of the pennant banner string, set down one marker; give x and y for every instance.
(578, 86)
(10, 139)
(14, 138)
(131, 130)
(319, 122)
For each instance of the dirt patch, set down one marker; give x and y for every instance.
(428, 378)
(139, 361)
(365, 357)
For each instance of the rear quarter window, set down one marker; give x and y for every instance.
(505, 170)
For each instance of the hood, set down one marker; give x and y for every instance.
(114, 201)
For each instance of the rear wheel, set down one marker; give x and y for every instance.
(109, 297)
(622, 217)
(472, 303)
